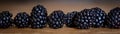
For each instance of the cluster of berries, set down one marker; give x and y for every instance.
(38, 18)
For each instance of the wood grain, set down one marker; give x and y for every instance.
(64, 30)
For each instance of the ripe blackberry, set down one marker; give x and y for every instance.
(21, 20)
(56, 19)
(5, 19)
(69, 19)
(114, 18)
(83, 19)
(39, 17)
(99, 17)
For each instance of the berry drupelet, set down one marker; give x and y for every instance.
(56, 19)
(5, 19)
(114, 18)
(38, 17)
(21, 20)
(83, 19)
(69, 19)
(99, 17)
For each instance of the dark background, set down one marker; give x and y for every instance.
(15, 6)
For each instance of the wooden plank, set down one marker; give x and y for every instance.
(64, 30)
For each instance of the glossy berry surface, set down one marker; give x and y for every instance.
(69, 19)
(5, 19)
(56, 19)
(114, 18)
(99, 17)
(83, 19)
(38, 17)
(21, 20)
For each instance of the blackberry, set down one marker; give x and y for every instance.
(56, 19)
(21, 20)
(99, 17)
(69, 19)
(114, 18)
(83, 19)
(39, 17)
(5, 19)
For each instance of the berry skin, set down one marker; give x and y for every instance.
(99, 17)
(5, 19)
(114, 18)
(69, 19)
(21, 20)
(56, 19)
(39, 17)
(83, 19)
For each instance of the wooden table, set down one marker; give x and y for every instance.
(64, 30)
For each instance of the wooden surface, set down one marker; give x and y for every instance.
(66, 6)
(64, 30)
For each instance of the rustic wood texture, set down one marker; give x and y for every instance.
(58, 5)
(64, 30)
